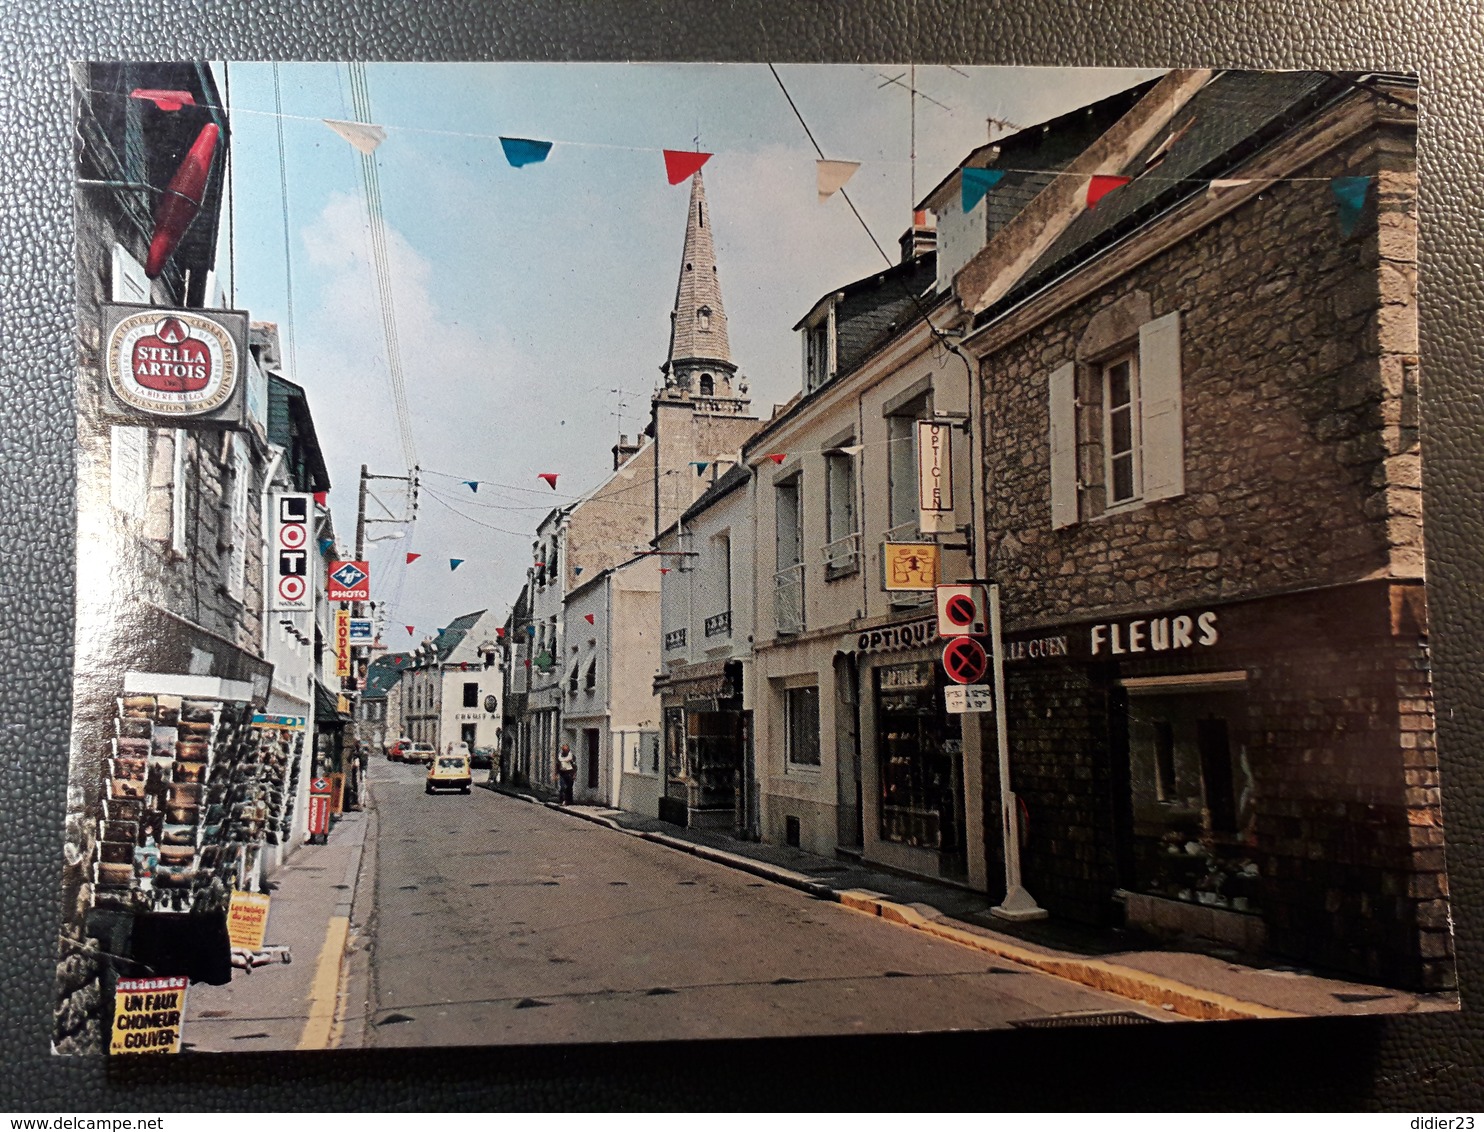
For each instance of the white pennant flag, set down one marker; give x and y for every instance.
(833, 175)
(1219, 186)
(365, 138)
(852, 449)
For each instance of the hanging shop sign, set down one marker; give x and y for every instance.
(147, 1015)
(342, 642)
(290, 591)
(360, 630)
(349, 581)
(934, 477)
(963, 611)
(909, 566)
(247, 920)
(184, 367)
(968, 699)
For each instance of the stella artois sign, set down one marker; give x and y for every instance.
(184, 366)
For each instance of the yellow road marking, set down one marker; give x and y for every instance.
(325, 991)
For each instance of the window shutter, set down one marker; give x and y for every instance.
(127, 281)
(129, 469)
(1161, 416)
(1063, 397)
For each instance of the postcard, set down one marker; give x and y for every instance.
(610, 552)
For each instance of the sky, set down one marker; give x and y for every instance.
(532, 305)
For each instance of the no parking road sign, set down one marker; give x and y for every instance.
(963, 611)
(964, 660)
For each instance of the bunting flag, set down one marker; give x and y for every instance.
(325, 544)
(588, 617)
(975, 183)
(524, 151)
(541, 565)
(531, 630)
(499, 632)
(830, 176)
(682, 164)
(1350, 194)
(1101, 184)
(409, 630)
(664, 569)
(167, 100)
(1168, 144)
(362, 135)
(454, 564)
(321, 497)
(549, 477)
(700, 466)
(576, 569)
(778, 457)
(852, 449)
(411, 558)
(473, 486)
(1222, 184)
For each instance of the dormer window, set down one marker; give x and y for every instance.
(708, 386)
(819, 350)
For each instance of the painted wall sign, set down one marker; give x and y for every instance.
(184, 366)
(289, 590)
(1147, 635)
(147, 1015)
(349, 581)
(890, 638)
(909, 566)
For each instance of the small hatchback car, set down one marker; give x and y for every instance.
(449, 772)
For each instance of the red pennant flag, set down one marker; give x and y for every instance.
(409, 629)
(500, 632)
(1101, 185)
(169, 100)
(681, 164)
(321, 497)
(181, 200)
(411, 558)
(549, 477)
(588, 617)
(664, 569)
(778, 457)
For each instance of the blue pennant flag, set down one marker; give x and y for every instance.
(531, 629)
(473, 486)
(576, 569)
(455, 563)
(700, 466)
(325, 544)
(524, 151)
(974, 183)
(1350, 194)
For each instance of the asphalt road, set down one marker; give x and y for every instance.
(498, 921)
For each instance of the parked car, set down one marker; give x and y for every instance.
(397, 750)
(419, 753)
(449, 772)
(483, 758)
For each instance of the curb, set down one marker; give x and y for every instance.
(1182, 999)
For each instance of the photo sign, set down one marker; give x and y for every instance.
(183, 367)
(349, 581)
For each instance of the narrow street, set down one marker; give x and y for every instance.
(499, 921)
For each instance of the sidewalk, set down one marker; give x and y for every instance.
(293, 1005)
(1191, 984)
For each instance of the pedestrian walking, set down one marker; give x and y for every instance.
(566, 775)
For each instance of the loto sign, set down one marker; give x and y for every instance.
(181, 366)
(290, 591)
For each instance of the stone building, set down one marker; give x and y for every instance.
(1198, 424)
(444, 692)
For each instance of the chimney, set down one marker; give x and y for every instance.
(919, 239)
(623, 450)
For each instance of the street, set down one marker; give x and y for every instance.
(497, 921)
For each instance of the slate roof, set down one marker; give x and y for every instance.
(1235, 116)
(735, 477)
(453, 634)
(384, 671)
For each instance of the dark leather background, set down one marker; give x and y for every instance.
(1428, 1064)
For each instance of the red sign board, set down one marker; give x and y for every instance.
(319, 815)
(348, 581)
(964, 660)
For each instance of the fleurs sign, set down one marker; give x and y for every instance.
(185, 366)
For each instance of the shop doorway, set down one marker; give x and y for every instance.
(591, 739)
(920, 765)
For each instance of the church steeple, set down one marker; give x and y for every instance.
(699, 366)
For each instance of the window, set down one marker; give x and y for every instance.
(819, 351)
(708, 386)
(901, 460)
(572, 676)
(788, 582)
(239, 472)
(801, 710)
(842, 549)
(1117, 428)
(471, 693)
(703, 322)
(591, 681)
(1121, 428)
(1163, 735)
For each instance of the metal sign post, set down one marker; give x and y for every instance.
(1018, 903)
